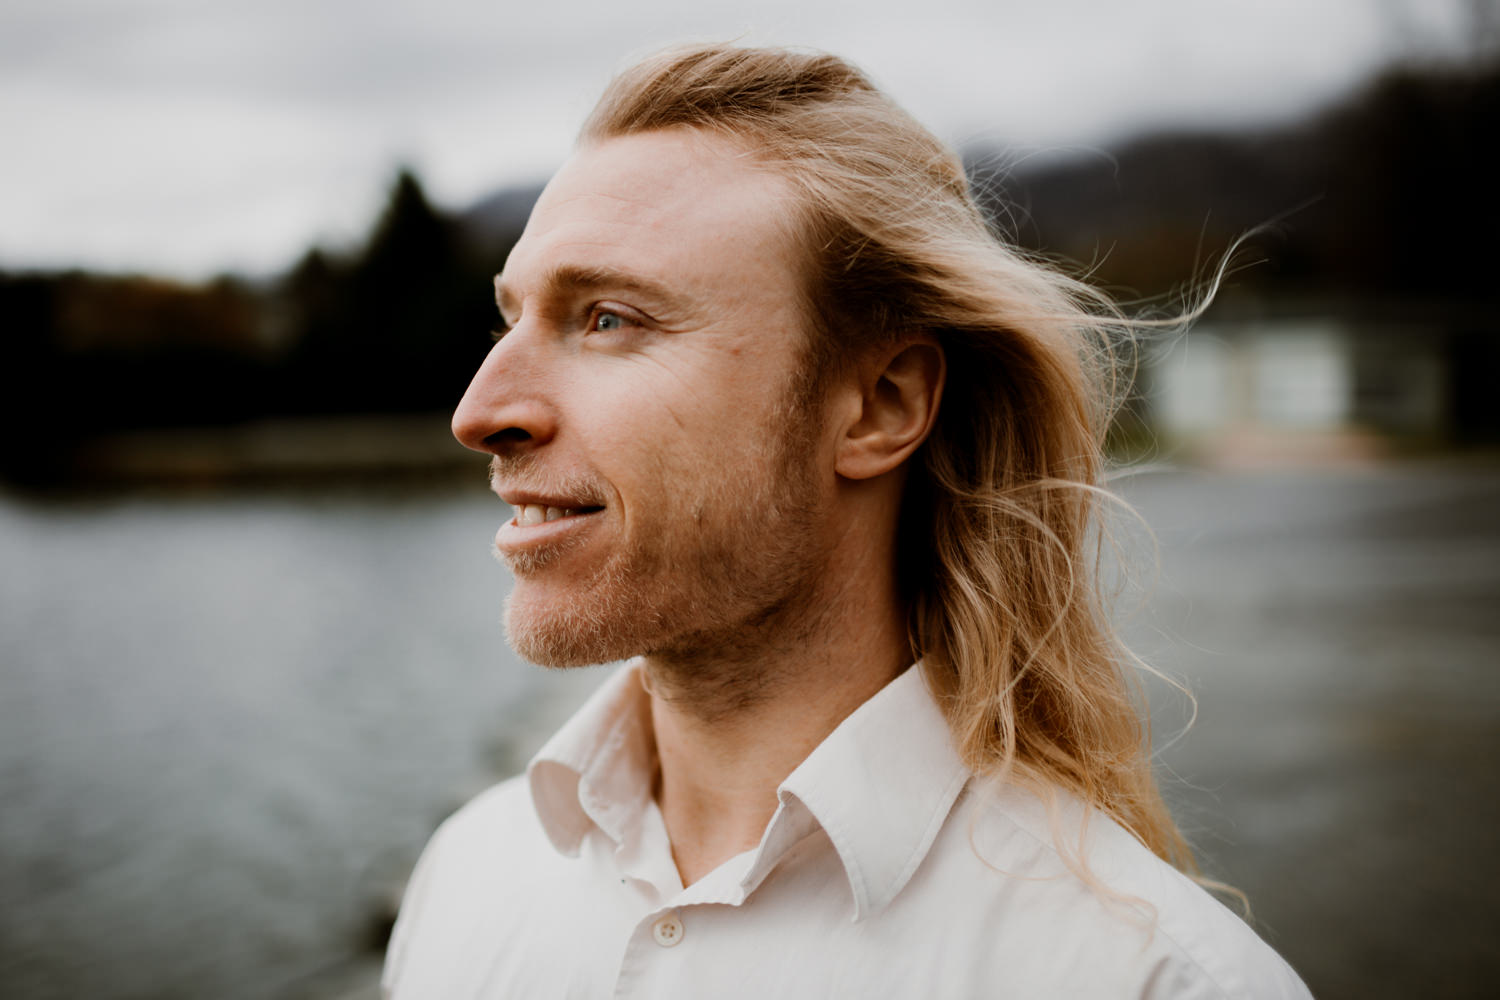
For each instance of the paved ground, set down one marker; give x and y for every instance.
(1341, 630)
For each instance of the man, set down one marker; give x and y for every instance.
(781, 420)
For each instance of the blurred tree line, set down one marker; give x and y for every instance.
(397, 326)
(1382, 203)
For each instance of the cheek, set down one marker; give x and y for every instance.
(652, 408)
(683, 416)
(678, 464)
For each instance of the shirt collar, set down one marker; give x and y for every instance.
(599, 768)
(880, 785)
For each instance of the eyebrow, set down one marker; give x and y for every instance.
(586, 278)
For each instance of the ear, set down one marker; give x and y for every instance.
(900, 388)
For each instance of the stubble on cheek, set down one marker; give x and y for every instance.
(733, 568)
(688, 583)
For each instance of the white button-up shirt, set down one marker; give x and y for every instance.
(885, 872)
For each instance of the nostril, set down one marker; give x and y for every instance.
(508, 436)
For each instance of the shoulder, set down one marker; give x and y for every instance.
(491, 838)
(500, 810)
(1081, 901)
(492, 845)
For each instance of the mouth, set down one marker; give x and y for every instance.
(529, 514)
(543, 528)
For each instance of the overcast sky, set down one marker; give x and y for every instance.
(188, 137)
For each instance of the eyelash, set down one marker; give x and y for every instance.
(626, 317)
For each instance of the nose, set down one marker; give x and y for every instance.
(506, 410)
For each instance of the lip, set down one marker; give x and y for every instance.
(514, 538)
(518, 498)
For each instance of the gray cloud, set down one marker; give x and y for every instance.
(189, 136)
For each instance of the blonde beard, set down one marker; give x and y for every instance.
(740, 585)
(580, 634)
(731, 582)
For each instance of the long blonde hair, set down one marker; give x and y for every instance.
(999, 522)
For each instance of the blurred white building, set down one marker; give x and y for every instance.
(1285, 381)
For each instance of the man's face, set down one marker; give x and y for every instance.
(641, 408)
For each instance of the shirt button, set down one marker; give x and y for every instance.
(667, 930)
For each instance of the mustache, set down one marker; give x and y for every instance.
(520, 474)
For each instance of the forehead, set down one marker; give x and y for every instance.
(677, 206)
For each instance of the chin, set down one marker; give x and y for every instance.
(564, 634)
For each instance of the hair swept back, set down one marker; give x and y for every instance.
(999, 523)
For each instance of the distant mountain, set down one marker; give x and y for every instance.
(494, 222)
(1389, 193)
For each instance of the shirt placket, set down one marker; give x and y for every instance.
(673, 933)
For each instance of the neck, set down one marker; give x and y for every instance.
(732, 722)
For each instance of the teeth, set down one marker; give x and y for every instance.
(528, 514)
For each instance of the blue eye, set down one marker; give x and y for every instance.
(611, 317)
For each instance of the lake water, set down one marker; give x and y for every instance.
(228, 722)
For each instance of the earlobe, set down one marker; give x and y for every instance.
(899, 395)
